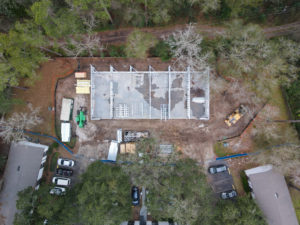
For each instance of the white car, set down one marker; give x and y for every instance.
(58, 191)
(61, 181)
(65, 162)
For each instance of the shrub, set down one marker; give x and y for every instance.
(161, 50)
(72, 142)
(139, 43)
(220, 150)
(116, 51)
(244, 179)
(54, 161)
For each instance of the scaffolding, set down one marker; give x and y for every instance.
(148, 94)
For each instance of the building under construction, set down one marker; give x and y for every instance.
(149, 94)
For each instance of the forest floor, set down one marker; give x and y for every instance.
(119, 36)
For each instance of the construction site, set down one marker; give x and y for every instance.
(93, 116)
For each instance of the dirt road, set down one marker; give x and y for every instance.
(119, 36)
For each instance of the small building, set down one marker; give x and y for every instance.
(83, 86)
(270, 191)
(65, 132)
(66, 109)
(80, 75)
(24, 168)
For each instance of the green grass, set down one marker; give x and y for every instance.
(244, 179)
(220, 150)
(72, 142)
(296, 201)
(51, 147)
(54, 161)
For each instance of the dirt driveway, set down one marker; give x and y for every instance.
(119, 36)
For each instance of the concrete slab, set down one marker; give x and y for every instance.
(149, 94)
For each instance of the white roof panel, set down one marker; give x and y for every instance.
(113, 151)
(65, 132)
(66, 109)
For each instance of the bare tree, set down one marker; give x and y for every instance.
(185, 46)
(13, 128)
(89, 42)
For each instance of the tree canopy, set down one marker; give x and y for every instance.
(242, 211)
(139, 43)
(104, 195)
(101, 197)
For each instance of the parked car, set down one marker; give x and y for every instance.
(228, 194)
(64, 172)
(217, 169)
(61, 181)
(65, 162)
(135, 195)
(58, 191)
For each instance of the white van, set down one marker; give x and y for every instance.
(61, 181)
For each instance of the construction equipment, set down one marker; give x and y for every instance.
(81, 117)
(235, 116)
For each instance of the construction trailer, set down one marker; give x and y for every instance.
(65, 132)
(66, 109)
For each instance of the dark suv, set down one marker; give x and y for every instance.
(135, 195)
(64, 172)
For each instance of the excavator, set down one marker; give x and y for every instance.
(81, 117)
(235, 116)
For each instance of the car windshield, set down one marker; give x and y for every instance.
(232, 194)
(58, 191)
(220, 169)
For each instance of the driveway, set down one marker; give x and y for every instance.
(221, 181)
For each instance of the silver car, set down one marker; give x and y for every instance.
(228, 194)
(58, 191)
(65, 162)
(217, 169)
